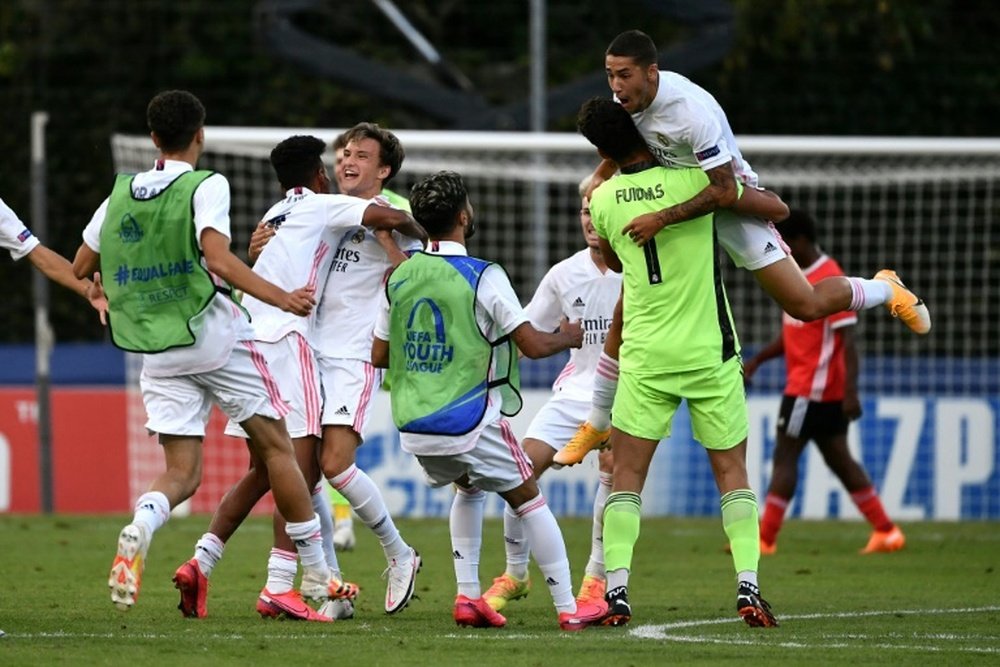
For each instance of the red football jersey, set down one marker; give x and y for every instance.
(814, 351)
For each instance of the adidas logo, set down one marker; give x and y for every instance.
(770, 247)
(343, 411)
(579, 303)
(551, 582)
(456, 555)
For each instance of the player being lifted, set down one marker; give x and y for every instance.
(678, 343)
(162, 238)
(451, 322)
(684, 126)
(312, 223)
(342, 340)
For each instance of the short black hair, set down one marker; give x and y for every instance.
(390, 150)
(608, 126)
(437, 200)
(296, 159)
(798, 224)
(175, 116)
(634, 44)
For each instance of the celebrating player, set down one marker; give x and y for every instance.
(451, 322)
(678, 342)
(162, 238)
(684, 127)
(821, 398)
(312, 223)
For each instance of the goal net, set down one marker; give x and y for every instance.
(927, 208)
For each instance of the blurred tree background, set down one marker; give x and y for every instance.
(830, 67)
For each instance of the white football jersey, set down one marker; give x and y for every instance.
(14, 236)
(576, 289)
(308, 228)
(684, 126)
(350, 300)
(222, 323)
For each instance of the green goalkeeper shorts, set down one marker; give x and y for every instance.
(645, 404)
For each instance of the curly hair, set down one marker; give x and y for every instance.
(607, 125)
(390, 150)
(437, 200)
(175, 116)
(296, 159)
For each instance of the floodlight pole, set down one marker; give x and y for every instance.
(44, 337)
(539, 190)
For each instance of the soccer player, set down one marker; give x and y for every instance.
(18, 240)
(451, 322)
(162, 239)
(312, 223)
(678, 343)
(578, 288)
(342, 339)
(821, 398)
(684, 127)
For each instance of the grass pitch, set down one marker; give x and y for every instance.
(935, 602)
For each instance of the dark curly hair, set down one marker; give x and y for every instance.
(437, 200)
(296, 159)
(390, 150)
(607, 125)
(175, 116)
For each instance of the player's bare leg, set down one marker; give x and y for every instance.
(337, 461)
(784, 478)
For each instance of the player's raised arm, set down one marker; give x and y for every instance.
(537, 344)
(223, 263)
(394, 219)
(761, 203)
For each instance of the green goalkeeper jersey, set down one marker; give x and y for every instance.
(676, 315)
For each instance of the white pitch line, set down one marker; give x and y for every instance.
(660, 631)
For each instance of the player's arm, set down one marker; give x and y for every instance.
(393, 219)
(721, 192)
(610, 256)
(380, 353)
(231, 268)
(58, 269)
(536, 344)
(761, 203)
(774, 349)
(852, 403)
(392, 251)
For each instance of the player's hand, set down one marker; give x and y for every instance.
(749, 369)
(852, 406)
(98, 299)
(643, 228)
(261, 235)
(383, 236)
(573, 330)
(300, 301)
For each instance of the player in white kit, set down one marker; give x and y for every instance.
(684, 126)
(580, 287)
(311, 223)
(162, 238)
(342, 339)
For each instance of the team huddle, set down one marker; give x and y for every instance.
(352, 291)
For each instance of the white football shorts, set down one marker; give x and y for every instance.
(293, 365)
(558, 420)
(752, 243)
(496, 463)
(242, 388)
(348, 388)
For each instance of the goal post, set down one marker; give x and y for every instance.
(927, 207)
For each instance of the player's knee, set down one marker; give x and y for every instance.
(805, 310)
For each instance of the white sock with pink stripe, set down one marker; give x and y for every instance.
(321, 505)
(281, 568)
(515, 544)
(595, 565)
(605, 385)
(308, 542)
(465, 523)
(546, 543)
(367, 502)
(867, 293)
